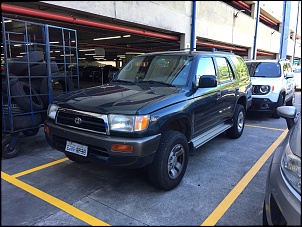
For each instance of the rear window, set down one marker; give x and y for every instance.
(240, 67)
(264, 69)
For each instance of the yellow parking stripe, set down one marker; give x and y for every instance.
(39, 167)
(214, 217)
(54, 201)
(210, 221)
(255, 126)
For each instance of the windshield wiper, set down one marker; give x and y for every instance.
(258, 76)
(158, 82)
(123, 81)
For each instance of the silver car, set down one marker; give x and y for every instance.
(297, 77)
(282, 203)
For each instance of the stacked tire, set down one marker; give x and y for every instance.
(29, 89)
(24, 104)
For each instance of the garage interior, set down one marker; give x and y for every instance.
(82, 47)
(102, 43)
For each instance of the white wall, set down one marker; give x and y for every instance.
(214, 19)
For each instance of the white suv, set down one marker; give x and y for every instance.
(273, 85)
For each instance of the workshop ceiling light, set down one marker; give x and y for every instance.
(87, 50)
(67, 55)
(112, 37)
(134, 53)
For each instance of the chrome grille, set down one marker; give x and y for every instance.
(82, 120)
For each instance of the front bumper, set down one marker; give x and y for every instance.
(264, 105)
(282, 202)
(99, 146)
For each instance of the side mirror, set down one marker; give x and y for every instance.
(206, 81)
(288, 113)
(289, 75)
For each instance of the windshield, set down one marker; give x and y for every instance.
(167, 69)
(264, 69)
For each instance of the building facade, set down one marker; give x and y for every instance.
(252, 29)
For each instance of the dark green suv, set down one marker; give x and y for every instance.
(156, 109)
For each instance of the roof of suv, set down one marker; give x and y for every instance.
(268, 60)
(189, 52)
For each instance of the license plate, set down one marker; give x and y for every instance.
(76, 148)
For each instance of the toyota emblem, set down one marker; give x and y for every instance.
(77, 120)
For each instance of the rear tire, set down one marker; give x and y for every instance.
(170, 162)
(238, 123)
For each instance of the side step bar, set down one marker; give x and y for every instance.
(206, 136)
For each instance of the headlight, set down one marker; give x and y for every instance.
(125, 123)
(52, 111)
(261, 89)
(291, 167)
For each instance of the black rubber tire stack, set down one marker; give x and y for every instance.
(26, 101)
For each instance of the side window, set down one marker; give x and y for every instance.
(289, 67)
(240, 67)
(284, 69)
(225, 73)
(205, 67)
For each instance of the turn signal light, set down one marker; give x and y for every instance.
(121, 148)
(46, 129)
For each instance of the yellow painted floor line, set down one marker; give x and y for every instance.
(255, 126)
(54, 201)
(39, 167)
(214, 217)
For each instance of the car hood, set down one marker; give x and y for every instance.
(263, 81)
(121, 98)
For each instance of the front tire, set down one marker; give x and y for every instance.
(170, 162)
(291, 102)
(238, 123)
